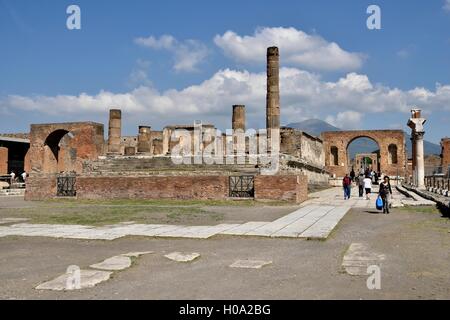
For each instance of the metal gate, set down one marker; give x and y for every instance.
(66, 186)
(242, 187)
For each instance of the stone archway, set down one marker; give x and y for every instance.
(53, 153)
(392, 157)
(62, 147)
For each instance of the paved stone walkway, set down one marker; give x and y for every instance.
(335, 196)
(310, 221)
(316, 219)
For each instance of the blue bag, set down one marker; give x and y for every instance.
(379, 203)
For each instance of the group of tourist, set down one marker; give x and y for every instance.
(364, 183)
(14, 178)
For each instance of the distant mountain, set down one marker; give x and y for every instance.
(313, 126)
(363, 145)
(429, 147)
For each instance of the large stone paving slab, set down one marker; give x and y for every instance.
(269, 229)
(244, 228)
(323, 227)
(182, 257)
(116, 263)
(250, 264)
(296, 228)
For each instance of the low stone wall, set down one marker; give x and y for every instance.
(40, 187)
(286, 188)
(154, 187)
(292, 188)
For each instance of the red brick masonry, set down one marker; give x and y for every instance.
(286, 188)
(3, 160)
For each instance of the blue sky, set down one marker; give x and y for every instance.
(178, 61)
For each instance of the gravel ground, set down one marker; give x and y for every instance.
(416, 243)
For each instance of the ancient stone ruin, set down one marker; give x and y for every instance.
(197, 161)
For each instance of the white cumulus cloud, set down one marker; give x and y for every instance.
(187, 54)
(297, 49)
(303, 95)
(447, 5)
(346, 119)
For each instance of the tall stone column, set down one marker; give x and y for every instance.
(144, 139)
(238, 126)
(114, 131)
(416, 123)
(238, 121)
(273, 91)
(420, 160)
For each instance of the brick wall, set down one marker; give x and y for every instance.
(445, 155)
(3, 160)
(384, 138)
(155, 187)
(40, 187)
(86, 142)
(288, 188)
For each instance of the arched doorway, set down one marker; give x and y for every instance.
(390, 151)
(55, 151)
(363, 154)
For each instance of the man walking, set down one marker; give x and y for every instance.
(361, 185)
(368, 186)
(346, 183)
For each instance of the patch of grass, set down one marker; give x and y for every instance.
(163, 202)
(103, 215)
(420, 209)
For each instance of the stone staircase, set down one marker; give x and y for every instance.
(12, 192)
(130, 166)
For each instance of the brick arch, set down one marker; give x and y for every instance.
(384, 138)
(53, 153)
(81, 141)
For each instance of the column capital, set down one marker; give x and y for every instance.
(418, 135)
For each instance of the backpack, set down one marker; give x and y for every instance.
(347, 181)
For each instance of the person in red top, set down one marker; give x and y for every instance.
(347, 184)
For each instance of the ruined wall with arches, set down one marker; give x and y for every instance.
(60, 148)
(391, 143)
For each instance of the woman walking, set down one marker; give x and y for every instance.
(385, 193)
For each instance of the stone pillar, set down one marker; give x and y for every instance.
(420, 160)
(416, 123)
(167, 132)
(4, 161)
(273, 91)
(238, 121)
(144, 139)
(115, 131)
